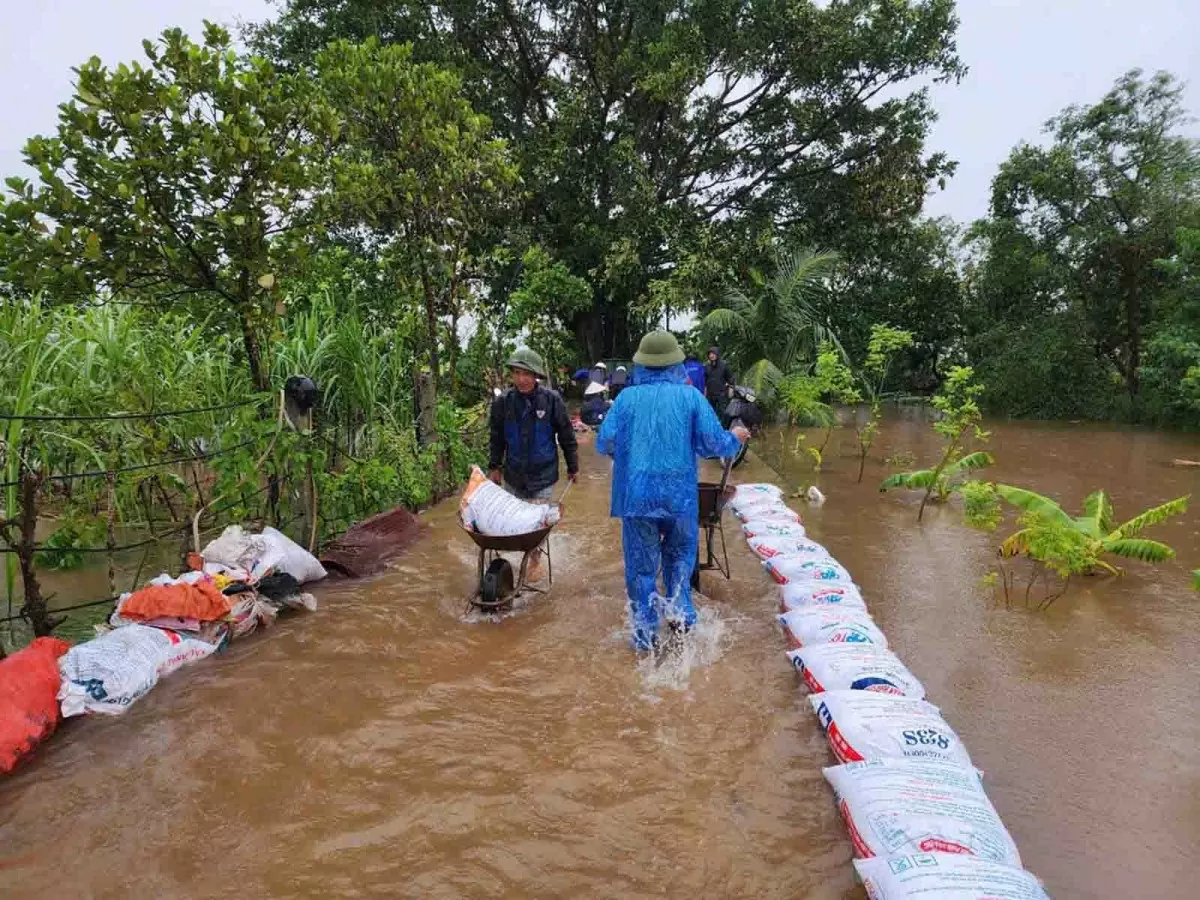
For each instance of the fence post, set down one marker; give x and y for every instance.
(34, 609)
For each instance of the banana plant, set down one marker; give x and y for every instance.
(940, 483)
(1096, 531)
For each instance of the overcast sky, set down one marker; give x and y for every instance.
(1028, 59)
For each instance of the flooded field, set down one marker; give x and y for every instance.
(391, 745)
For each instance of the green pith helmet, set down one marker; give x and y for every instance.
(658, 350)
(529, 361)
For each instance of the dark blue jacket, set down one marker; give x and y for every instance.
(524, 429)
(695, 370)
(593, 411)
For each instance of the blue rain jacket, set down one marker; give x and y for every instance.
(654, 432)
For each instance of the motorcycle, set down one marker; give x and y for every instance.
(743, 410)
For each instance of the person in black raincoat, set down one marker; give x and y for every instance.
(718, 379)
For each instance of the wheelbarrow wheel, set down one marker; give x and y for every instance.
(498, 583)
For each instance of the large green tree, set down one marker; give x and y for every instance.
(187, 179)
(1074, 233)
(644, 129)
(413, 168)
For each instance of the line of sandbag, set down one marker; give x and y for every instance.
(920, 822)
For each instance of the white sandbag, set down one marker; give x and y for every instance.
(771, 528)
(771, 546)
(863, 726)
(238, 549)
(765, 514)
(809, 626)
(786, 570)
(855, 667)
(743, 492)
(291, 557)
(946, 876)
(803, 594)
(894, 807)
(489, 509)
(744, 504)
(110, 672)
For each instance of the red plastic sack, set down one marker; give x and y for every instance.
(29, 683)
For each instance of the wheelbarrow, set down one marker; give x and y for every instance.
(712, 499)
(499, 586)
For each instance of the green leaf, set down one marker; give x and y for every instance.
(1154, 516)
(1140, 549)
(915, 481)
(1034, 503)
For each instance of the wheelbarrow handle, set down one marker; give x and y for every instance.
(725, 475)
(566, 490)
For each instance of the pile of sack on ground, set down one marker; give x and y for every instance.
(238, 583)
(919, 820)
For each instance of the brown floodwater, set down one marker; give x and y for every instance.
(389, 745)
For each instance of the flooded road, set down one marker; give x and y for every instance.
(389, 746)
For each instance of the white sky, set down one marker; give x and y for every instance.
(1028, 59)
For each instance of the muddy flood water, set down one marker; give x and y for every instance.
(390, 746)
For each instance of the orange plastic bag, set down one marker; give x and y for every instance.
(201, 601)
(29, 682)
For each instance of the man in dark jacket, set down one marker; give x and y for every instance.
(717, 382)
(529, 424)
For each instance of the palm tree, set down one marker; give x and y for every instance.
(767, 335)
(1096, 528)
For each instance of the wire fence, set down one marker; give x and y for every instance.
(18, 525)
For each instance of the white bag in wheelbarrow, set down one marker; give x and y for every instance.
(855, 667)
(489, 509)
(809, 626)
(804, 594)
(110, 672)
(786, 570)
(863, 726)
(894, 807)
(946, 876)
(771, 546)
(770, 528)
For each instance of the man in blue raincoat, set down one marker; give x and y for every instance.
(654, 432)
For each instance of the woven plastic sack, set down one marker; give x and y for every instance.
(110, 673)
(895, 807)
(741, 503)
(772, 546)
(863, 726)
(759, 489)
(768, 514)
(786, 570)
(489, 509)
(29, 681)
(769, 528)
(946, 876)
(803, 594)
(855, 667)
(291, 558)
(809, 626)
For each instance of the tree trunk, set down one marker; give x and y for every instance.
(453, 360)
(426, 410)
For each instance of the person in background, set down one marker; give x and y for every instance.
(718, 379)
(654, 432)
(619, 379)
(695, 370)
(529, 424)
(599, 374)
(595, 405)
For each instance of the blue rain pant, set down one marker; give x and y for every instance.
(652, 545)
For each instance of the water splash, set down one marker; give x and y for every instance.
(681, 654)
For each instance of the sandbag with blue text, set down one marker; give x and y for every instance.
(830, 625)
(863, 726)
(855, 667)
